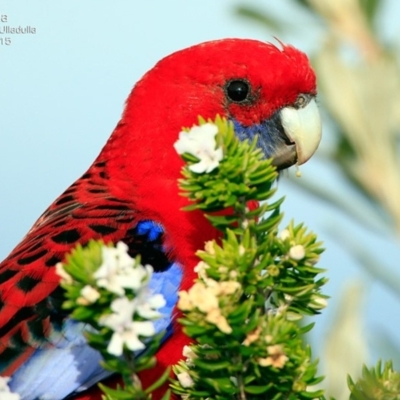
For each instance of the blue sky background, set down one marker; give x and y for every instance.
(62, 91)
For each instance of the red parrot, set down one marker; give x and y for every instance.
(130, 194)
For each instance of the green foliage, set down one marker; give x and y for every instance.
(371, 9)
(242, 173)
(252, 286)
(376, 384)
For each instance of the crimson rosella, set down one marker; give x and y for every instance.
(130, 193)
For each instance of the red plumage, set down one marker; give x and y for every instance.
(135, 177)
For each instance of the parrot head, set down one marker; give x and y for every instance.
(265, 90)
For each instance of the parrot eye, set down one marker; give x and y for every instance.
(238, 90)
(302, 101)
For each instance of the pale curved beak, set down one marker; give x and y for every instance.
(303, 128)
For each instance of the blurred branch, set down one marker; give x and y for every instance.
(356, 209)
(347, 21)
(370, 263)
(345, 349)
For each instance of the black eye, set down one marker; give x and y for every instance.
(238, 91)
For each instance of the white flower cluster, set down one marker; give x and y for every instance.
(5, 393)
(126, 330)
(118, 273)
(200, 142)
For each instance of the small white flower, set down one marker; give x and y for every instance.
(233, 274)
(229, 287)
(209, 247)
(187, 352)
(118, 254)
(215, 317)
(147, 304)
(242, 250)
(288, 298)
(5, 393)
(200, 142)
(201, 268)
(185, 379)
(318, 302)
(135, 278)
(119, 271)
(297, 252)
(203, 297)
(123, 310)
(115, 261)
(268, 338)
(129, 335)
(89, 295)
(126, 331)
(285, 234)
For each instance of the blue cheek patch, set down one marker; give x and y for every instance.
(270, 134)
